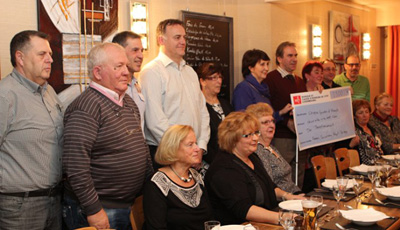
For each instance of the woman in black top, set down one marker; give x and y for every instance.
(210, 77)
(175, 197)
(239, 187)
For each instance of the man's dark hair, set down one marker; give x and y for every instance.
(162, 26)
(250, 59)
(280, 49)
(308, 67)
(21, 40)
(121, 38)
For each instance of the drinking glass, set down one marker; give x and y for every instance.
(320, 200)
(310, 208)
(338, 193)
(286, 218)
(212, 225)
(358, 182)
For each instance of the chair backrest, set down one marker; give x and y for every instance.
(354, 157)
(137, 214)
(330, 168)
(319, 168)
(324, 168)
(342, 160)
(87, 228)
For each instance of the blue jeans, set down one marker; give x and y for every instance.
(75, 217)
(36, 213)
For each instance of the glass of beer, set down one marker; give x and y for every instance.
(310, 214)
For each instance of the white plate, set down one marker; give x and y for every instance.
(363, 169)
(294, 205)
(393, 193)
(328, 183)
(232, 227)
(389, 157)
(363, 217)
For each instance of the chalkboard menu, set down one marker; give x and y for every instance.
(210, 39)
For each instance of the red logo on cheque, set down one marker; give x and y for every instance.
(297, 100)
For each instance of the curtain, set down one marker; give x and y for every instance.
(393, 77)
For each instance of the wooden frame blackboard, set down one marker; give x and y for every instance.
(210, 39)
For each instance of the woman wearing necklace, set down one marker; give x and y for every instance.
(386, 125)
(312, 75)
(275, 165)
(175, 197)
(211, 78)
(240, 189)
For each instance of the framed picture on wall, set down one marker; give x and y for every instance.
(344, 35)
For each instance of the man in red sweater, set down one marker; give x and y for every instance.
(282, 82)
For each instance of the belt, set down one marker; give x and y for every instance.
(51, 192)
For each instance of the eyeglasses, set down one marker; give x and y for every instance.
(353, 64)
(268, 122)
(330, 69)
(214, 78)
(256, 133)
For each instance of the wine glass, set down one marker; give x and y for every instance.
(286, 218)
(342, 182)
(358, 182)
(372, 175)
(338, 193)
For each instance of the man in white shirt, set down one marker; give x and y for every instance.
(171, 89)
(132, 44)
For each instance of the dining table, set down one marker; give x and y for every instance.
(329, 219)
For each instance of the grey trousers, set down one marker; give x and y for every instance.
(34, 213)
(287, 148)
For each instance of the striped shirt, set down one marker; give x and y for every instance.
(106, 159)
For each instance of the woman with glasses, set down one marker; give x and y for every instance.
(255, 66)
(329, 74)
(277, 167)
(210, 77)
(238, 185)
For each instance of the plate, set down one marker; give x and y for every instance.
(232, 227)
(389, 157)
(329, 183)
(294, 205)
(363, 217)
(393, 193)
(363, 169)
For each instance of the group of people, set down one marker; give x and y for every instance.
(168, 137)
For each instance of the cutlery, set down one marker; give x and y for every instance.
(386, 203)
(349, 207)
(343, 228)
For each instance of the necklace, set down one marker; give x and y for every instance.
(186, 180)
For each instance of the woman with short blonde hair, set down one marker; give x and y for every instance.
(175, 197)
(276, 166)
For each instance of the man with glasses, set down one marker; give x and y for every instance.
(359, 84)
(329, 74)
(171, 89)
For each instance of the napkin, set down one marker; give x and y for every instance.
(364, 168)
(363, 215)
(328, 183)
(392, 191)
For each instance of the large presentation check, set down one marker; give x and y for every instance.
(323, 118)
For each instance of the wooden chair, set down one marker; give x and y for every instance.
(87, 228)
(342, 160)
(137, 214)
(324, 168)
(354, 157)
